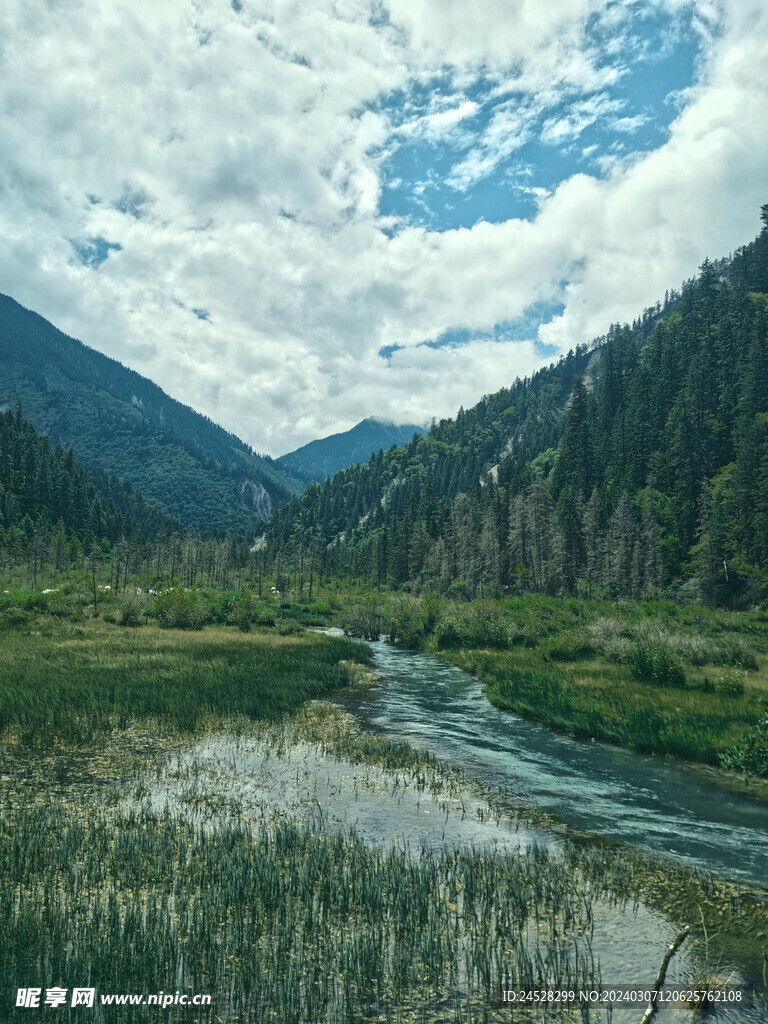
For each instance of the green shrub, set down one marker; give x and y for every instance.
(59, 609)
(472, 627)
(243, 613)
(34, 601)
(447, 632)
(289, 627)
(458, 591)
(737, 655)
(222, 607)
(181, 609)
(364, 619)
(750, 754)
(492, 628)
(130, 612)
(730, 684)
(568, 646)
(657, 663)
(408, 621)
(320, 608)
(14, 616)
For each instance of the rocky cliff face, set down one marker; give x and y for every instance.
(256, 499)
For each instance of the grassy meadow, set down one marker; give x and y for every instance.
(288, 921)
(686, 682)
(74, 683)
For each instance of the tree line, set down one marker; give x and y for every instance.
(637, 466)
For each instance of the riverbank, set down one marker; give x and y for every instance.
(689, 683)
(595, 699)
(207, 828)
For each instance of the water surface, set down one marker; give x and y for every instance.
(634, 798)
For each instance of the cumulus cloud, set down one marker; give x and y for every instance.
(194, 189)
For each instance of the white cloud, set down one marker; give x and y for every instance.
(233, 156)
(436, 126)
(629, 125)
(510, 127)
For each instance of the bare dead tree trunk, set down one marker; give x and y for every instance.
(653, 1004)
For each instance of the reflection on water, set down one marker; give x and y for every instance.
(266, 779)
(273, 777)
(626, 796)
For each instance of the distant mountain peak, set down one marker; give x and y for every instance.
(326, 456)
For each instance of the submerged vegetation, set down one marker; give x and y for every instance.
(279, 919)
(288, 924)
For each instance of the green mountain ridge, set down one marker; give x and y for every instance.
(124, 424)
(52, 505)
(637, 466)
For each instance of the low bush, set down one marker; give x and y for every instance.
(750, 754)
(611, 637)
(130, 612)
(410, 620)
(735, 654)
(568, 646)
(364, 619)
(243, 613)
(730, 684)
(472, 626)
(181, 609)
(289, 627)
(657, 663)
(14, 616)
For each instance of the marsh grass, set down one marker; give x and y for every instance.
(68, 685)
(288, 922)
(293, 923)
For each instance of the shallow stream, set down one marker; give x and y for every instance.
(275, 775)
(634, 798)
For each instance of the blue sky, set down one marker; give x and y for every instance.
(294, 216)
(559, 135)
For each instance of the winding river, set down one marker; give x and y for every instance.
(622, 795)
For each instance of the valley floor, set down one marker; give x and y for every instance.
(207, 830)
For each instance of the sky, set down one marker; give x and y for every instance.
(292, 216)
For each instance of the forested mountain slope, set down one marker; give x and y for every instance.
(637, 466)
(124, 424)
(322, 458)
(49, 500)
